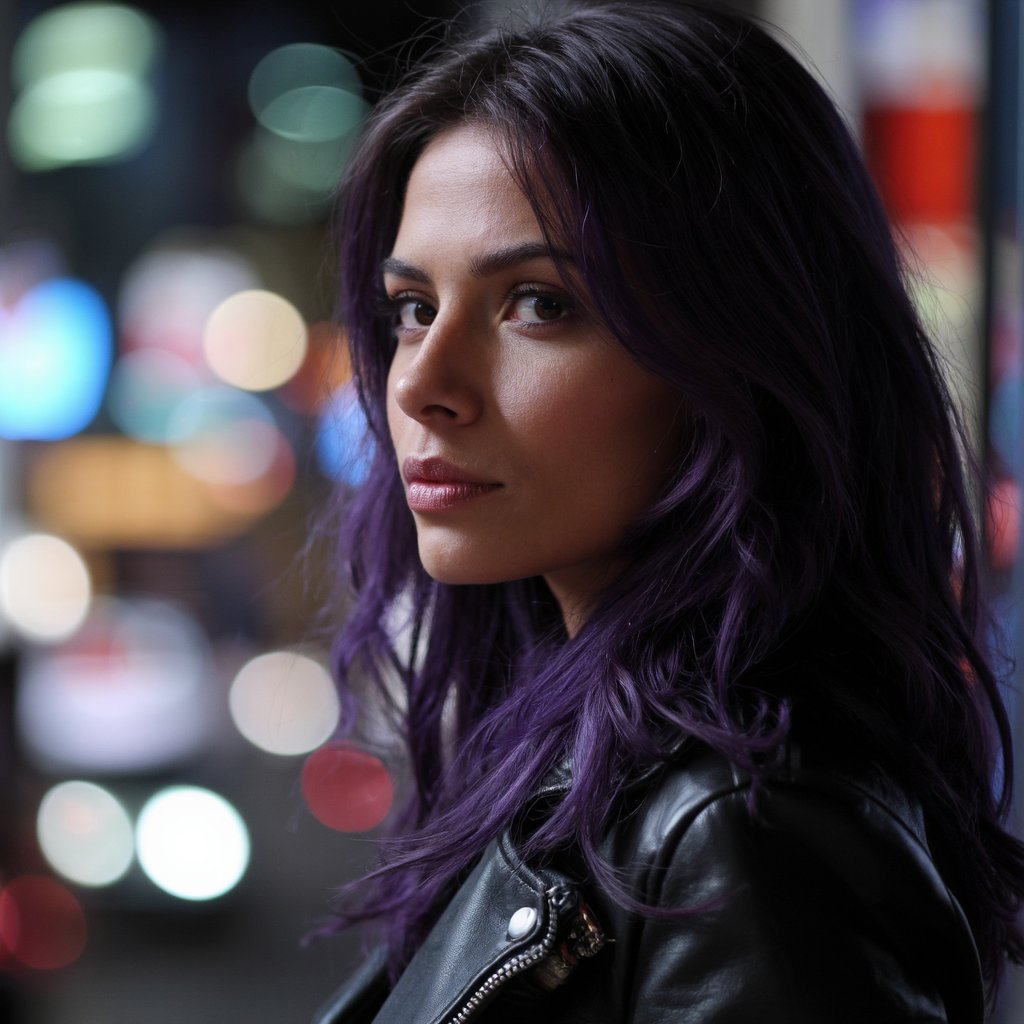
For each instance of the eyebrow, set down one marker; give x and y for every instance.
(483, 266)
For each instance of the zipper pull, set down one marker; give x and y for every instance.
(586, 937)
(582, 937)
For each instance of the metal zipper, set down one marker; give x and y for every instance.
(520, 962)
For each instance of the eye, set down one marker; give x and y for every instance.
(538, 307)
(412, 314)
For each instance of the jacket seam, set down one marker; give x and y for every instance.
(670, 841)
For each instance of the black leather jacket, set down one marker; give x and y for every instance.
(821, 905)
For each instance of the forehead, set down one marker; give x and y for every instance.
(461, 186)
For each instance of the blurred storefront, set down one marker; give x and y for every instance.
(165, 188)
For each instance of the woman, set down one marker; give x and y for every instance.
(668, 507)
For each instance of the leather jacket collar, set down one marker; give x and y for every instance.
(821, 904)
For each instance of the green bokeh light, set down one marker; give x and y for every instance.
(85, 36)
(307, 166)
(79, 117)
(307, 93)
(287, 182)
(313, 113)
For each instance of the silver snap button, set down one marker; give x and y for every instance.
(521, 922)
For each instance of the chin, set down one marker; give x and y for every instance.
(459, 576)
(465, 570)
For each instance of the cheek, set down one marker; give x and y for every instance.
(557, 390)
(619, 418)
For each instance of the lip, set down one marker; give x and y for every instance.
(435, 485)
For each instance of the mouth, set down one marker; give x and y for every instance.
(434, 485)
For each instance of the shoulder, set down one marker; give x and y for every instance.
(701, 798)
(814, 868)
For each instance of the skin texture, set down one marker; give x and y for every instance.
(500, 372)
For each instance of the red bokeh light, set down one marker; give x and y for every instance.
(347, 789)
(923, 159)
(1004, 523)
(42, 924)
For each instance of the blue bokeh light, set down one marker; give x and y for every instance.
(344, 446)
(56, 347)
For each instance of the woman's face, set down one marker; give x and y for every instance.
(527, 438)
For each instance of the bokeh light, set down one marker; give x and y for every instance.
(283, 181)
(344, 445)
(347, 789)
(326, 368)
(284, 703)
(1003, 525)
(255, 340)
(255, 497)
(81, 73)
(56, 347)
(192, 843)
(312, 113)
(170, 291)
(44, 587)
(296, 173)
(217, 436)
(80, 117)
(80, 36)
(85, 833)
(306, 92)
(128, 693)
(146, 388)
(308, 104)
(42, 924)
(115, 492)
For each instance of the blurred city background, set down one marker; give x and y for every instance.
(174, 410)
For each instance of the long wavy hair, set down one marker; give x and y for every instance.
(812, 568)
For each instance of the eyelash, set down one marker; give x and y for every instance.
(536, 292)
(390, 307)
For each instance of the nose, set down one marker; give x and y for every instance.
(437, 380)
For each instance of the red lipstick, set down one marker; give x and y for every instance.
(434, 485)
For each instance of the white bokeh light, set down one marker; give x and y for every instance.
(85, 833)
(44, 587)
(130, 692)
(192, 843)
(284, 703)
(169, 292)
(255, 340)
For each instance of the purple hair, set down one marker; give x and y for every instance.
(812, 567)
